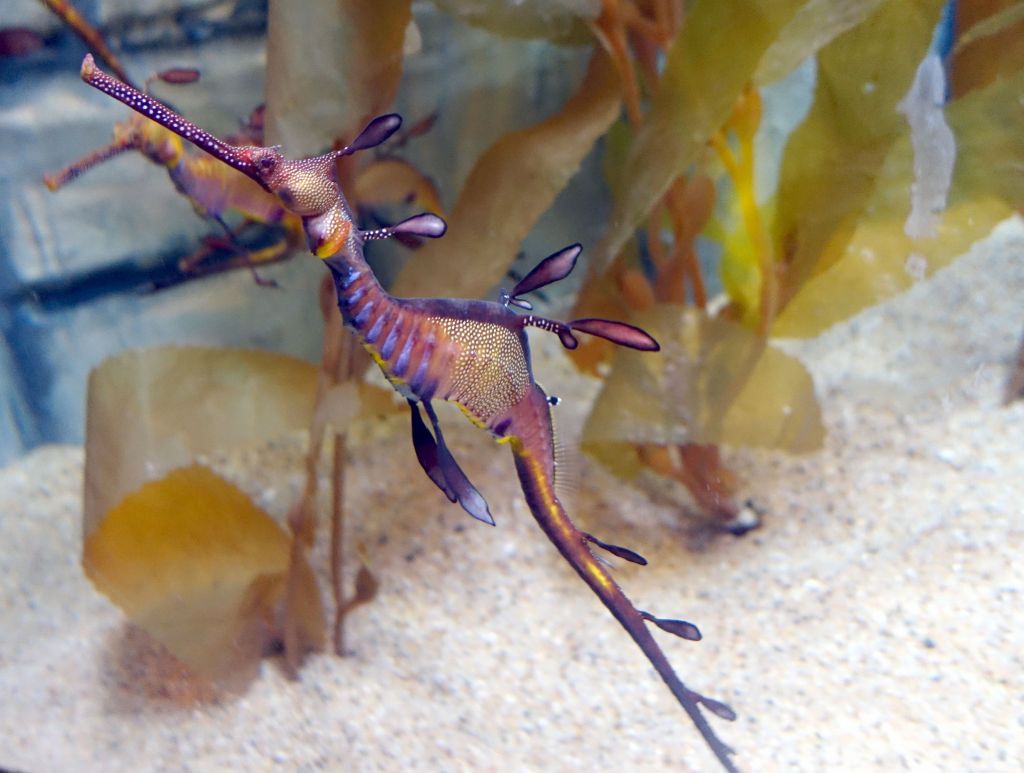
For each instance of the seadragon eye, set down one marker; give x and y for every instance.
(267, 165)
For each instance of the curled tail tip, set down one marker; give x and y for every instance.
(722, 751)
(726, 759)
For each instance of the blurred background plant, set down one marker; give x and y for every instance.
(751, 172)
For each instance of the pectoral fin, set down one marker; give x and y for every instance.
(466, 494)
(426, 452)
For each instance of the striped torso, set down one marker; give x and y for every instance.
(472, 353)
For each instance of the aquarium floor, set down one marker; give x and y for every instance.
(874, 622)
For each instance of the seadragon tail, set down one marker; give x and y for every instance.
(534, 469)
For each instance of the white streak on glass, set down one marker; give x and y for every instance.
(934, 147)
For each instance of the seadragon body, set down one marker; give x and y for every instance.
(472, 353)
(213, 189)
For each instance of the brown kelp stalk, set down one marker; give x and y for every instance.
(631, 31)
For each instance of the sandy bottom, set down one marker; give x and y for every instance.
(873, 623)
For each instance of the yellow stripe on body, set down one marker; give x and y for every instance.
(476, 420)
(334, 231)
(555, 515)
(385, 367)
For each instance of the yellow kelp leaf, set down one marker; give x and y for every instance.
(614, 154)
(509, 188)
(714, 381)
(395, 181)
(709, 64)
(811, 28)
(152, 410)
(832, 159)
(648, 398)
(988, 125)
(880, 260)
(331, 67)
(775, 408)
(558, 20)
(193, 562)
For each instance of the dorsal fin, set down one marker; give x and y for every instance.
(567, 472)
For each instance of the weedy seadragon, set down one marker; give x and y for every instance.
(213, 189)
(470, 352)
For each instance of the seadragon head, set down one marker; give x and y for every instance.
(306, 186)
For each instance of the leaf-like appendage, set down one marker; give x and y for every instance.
(553, 268)
(617, 332)
(376, 132)
(617, 550)
(179, 75)
(425, 446)
(719, 709)
(427, 225)
(681, 628)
